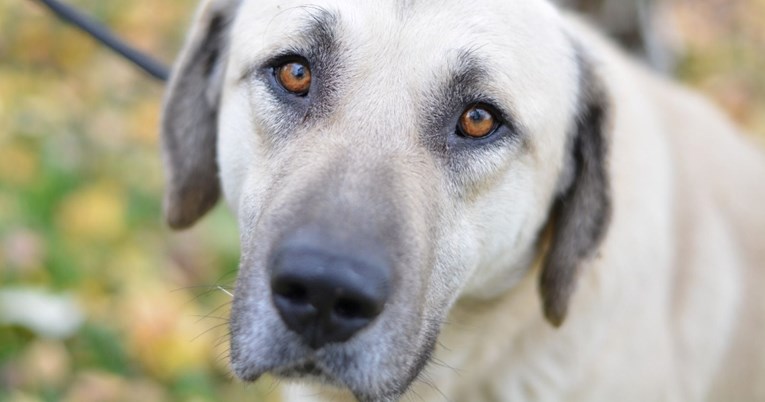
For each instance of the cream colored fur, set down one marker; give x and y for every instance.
(689, 187)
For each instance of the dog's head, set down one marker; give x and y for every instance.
(383, 159)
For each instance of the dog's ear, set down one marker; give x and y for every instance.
(189, 120)
(581, 213)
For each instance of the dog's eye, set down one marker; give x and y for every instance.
(477, 121)
(295, 77)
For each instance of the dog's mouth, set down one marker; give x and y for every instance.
(309, 371)
(313, 372)
(340, 368)
(303, 370)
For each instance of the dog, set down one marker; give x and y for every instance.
(467, 201)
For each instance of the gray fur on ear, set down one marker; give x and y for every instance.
(581, 214)
(190, 117)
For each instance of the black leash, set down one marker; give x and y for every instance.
(101, 34)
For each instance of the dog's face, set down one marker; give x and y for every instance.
(383, 159)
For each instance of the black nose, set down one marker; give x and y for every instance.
(324, 294)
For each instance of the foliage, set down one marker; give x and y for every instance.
(80, 185)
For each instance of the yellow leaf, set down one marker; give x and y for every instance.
(145, 123)
(165, 331)
(96, 212)
(18, 166)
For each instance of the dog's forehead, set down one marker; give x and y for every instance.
(409, 27)
(408, 43)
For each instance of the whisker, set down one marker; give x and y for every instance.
(210, 314)
(206, 316)
(425, 379)
(224, 356)
(412, 393)
(225, 291)
(275, 383)
(222, 340)
(209, 330)
(209, 289)
(443, 346)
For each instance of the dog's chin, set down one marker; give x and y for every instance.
(338, 372)
(311, 373)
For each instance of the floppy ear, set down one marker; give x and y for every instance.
(189, 120)
(581, 214)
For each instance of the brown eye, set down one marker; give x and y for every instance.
(477, 122)
(295, 77)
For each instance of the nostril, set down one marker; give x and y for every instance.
(352, 309)
(292, 291)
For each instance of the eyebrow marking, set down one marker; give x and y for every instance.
(320, 32)
(313, 37)
(466, 72)
(465, 80)
(461, 86)
(317, 40)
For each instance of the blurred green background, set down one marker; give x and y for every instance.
(135, 310)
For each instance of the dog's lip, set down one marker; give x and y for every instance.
(303, 369)
(296, 369)
(312, 370)
(307, 368)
